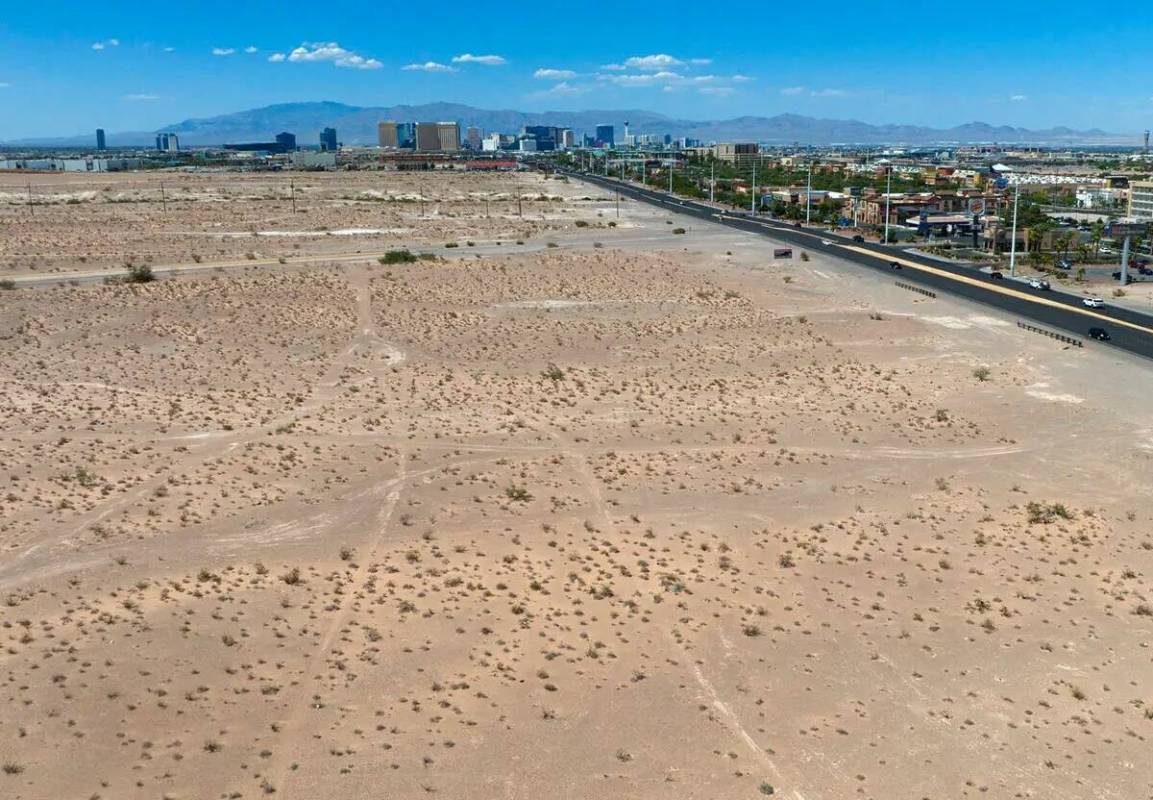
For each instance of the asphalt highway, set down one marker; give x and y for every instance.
(1129, 330)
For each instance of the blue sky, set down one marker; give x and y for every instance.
(131, 66)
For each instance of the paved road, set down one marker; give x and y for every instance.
(1130, 330)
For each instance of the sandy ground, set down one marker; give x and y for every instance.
(659, 518)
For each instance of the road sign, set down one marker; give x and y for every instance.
(977, 205)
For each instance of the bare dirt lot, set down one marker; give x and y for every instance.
(662, 517)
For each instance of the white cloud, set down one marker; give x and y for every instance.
(566, 89)
(251, 49)
(796, 91)
(105, 44)
(741, 78)
(554, 74)
(169, 49)
(646, 79)
(223, 51)
(1019, 98)
(614, 67)
(5, 85)
(700, 62)
(658, 62)
(717, 91)
(141, 98)
(428, 66)
(276, 58)
(333, 52)
(489, 61)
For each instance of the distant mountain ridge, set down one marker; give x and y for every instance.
(356, 125)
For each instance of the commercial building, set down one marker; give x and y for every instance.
(736, 152)
(406, 135)
(100, 142)
(167, 142)
(473, 138)
(306, 159)
(448, 134)
(388, 134)
(604, 136)
(285, 143)
(328, 143)
(567, 140)
(438, 137)
(491, 143)
(427, 137)
(1141, 200)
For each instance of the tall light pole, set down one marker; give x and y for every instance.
(670, 176)
(809, 195)
(1013, 243)
(713, 182)
(753, 198)
(888, 199)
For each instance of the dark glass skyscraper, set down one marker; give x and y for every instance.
(100, 143)
(605, 135)
(328, 141)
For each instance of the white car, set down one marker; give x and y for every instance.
(1094, 302)
(826, 242)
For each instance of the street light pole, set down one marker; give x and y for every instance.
(713, 182)
(753, 197)
(670, 176)
(888, 199)
(809, 196)
(1013, 243)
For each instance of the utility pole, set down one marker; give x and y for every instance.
(888, 199)
(809, 195)
(643, 173)
(486, 210)
(31, 205)
(292, 189)
(163, 199)
(519, 207)
(670, 176)
(713, 182)
(618, 205)
(1013, 243)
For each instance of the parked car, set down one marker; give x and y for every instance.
(1038, 283)
(996, 275)
(859, 239)
(1100, 334)
(1093, 302)
(1065, 264)
(1144, 271)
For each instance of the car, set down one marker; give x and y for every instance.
(859, 239)
(1100, 334)
(1145, 270)
(798, 225)
(825, 242)
(1065, 263)
(894, 265)
(996, 275)
(1038, 283)
(1093, 302)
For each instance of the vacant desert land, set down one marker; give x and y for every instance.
(663, 518)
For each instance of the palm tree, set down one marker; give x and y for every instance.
(1097, 233)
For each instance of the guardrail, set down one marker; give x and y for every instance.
(1051, 334)
(916, 289)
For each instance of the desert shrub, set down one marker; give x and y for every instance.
(139, 273)
(398, 257)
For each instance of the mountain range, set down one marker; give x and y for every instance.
(356, 125)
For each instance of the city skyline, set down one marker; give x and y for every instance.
(111, 67)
